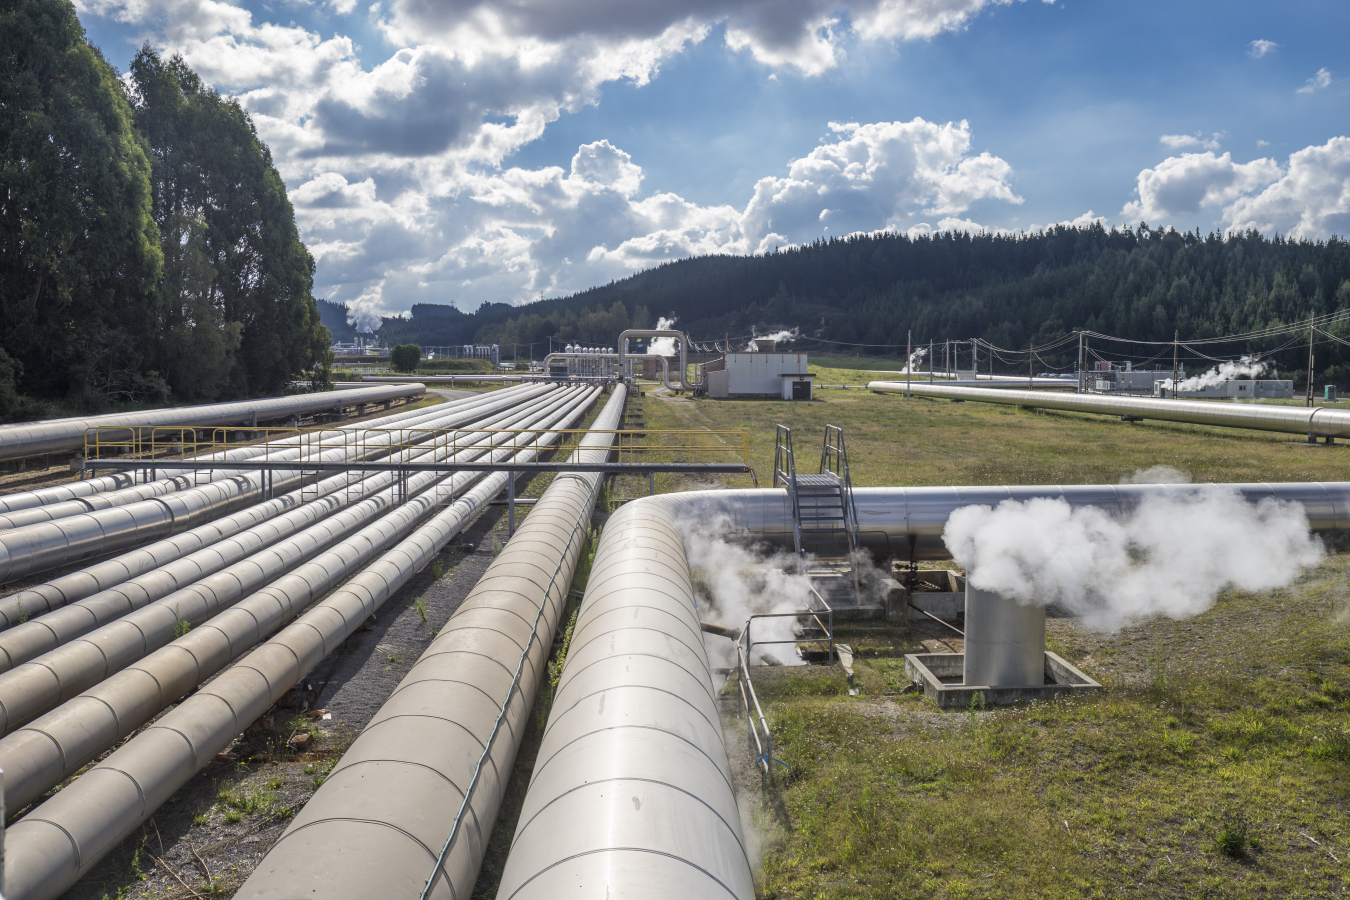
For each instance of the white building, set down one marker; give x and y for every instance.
(762, 374)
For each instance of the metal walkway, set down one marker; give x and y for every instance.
(824, 518)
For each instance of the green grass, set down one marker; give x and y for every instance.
(1210, 776)
(894, 441)
(1216, 757)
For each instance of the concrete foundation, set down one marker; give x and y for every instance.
(940, 675)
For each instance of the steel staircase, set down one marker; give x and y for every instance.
(824, 518)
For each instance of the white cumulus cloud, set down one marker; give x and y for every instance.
(1183, 185)
(1260, 48)
(1310, 200)
(1309, 197)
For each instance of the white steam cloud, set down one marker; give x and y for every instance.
(1170, 556)
(784, 335)
(914, 360)
(1157, 475)
(740, 583)
(662, 346)
(1225, 371)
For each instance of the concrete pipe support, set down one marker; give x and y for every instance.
(380, 824)
(52, 846)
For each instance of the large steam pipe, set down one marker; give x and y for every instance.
(680, 383)
(58, 744)
(1316, 422)
(46, 545)
(63, 435)
(382, 821)
(47, 507)
(631, 794)
(101, 576)
(105, 484)
(213, 575)
(52, 846)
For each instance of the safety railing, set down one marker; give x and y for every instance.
(745, 647)
(210, 445)
(785, 475)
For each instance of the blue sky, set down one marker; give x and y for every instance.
(451, 152)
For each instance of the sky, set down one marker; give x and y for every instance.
(461, 152)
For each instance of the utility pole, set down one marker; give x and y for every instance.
(1175, 359)
(1031, 367)
(1312, 330)
(930, 362)
(909, 361)
(975, 358)
(1079, 373)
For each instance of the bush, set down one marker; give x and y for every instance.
(405, 357)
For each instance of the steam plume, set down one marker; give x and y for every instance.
(738, 583)
(663, 346)
(914, 360)
(1225, 371)
(1171, 556)
(784, 335)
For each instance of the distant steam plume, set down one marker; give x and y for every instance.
(663, 346)
(914, 360)
(1226, 371)
(1170, 556)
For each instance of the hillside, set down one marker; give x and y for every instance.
(1010, 290)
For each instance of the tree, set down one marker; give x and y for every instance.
(239, 316)
(79, 248)
(405, 357)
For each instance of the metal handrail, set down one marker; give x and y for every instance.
(206, 445)
(785, 473)
(501, 715)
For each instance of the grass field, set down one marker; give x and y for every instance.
(1215, 764)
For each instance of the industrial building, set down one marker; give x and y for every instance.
(762, 372)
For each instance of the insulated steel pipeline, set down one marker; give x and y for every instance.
(27, 507)
(88, 581)
(631, 794)
(63, 435)
(381, 824)
(1316, 422)
(47, 545)
(216, 574)
(57, 842)
(295, 447)
(89, 652)
(59, 743)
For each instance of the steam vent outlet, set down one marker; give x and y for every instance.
(1005, 640)
(1005, 659)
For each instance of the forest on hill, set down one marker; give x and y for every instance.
(867, 293)
(148, 251)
